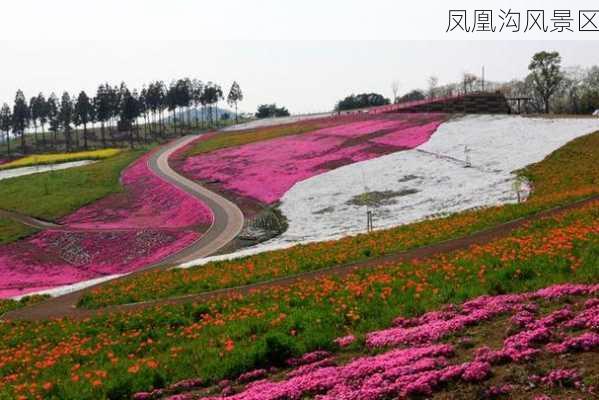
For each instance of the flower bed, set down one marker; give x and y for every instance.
(149, 220)
(426, 363)
(265, 170)
(567, 174)
(147, 202)
(225, 337)
(44, 159)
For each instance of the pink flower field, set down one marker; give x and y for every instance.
(150, 220)
(265, 170)
(420, 356)
(148, 202)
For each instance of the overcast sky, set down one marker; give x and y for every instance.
(304, 76)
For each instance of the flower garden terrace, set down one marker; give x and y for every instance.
(118, 229)
(566, 175)
(465, 349)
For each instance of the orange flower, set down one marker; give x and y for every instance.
(134, 369)
(229, 345)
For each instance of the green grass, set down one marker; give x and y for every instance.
(11, 231)
(234, 139)
(51, 195)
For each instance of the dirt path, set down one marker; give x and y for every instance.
(65, 306)
(228, 222)
(27, 220)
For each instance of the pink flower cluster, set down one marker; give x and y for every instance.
(147, 202)
(424, 365)
(265, 170)
(345, 340)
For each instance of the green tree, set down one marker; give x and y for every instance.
(34, 110)
(546, 75)
(20, 118)
(6, 124)
(66, 118)
(53, 116)
(42, 114)
(234, 97)
(102, 106)
(271, 110)
(83, 114)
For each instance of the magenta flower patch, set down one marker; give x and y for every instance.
(148, 202)
(265, 170)
(121, 233)
(423, 364)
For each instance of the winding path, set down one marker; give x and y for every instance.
(227, 224)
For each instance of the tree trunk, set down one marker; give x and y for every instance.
(102, 129)
(8, 143)
(23, 147)
(175, 121)
(236, 120)
(85, 135)
(43, 135)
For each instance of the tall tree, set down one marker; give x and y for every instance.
(6, 124)
(20, 117)
(53, 116)
(196, 97)
(66, 118)
(83, 114)
(42, 114)
(102, 108)
(211, 95)
(172, 103)
(33, 116)
(234, 97)
(546, 74)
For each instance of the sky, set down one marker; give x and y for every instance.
(304, 76)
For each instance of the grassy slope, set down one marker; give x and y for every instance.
(52, 195)
(11, 231)
(569, 173)
(233, 139)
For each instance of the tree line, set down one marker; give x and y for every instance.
(548, 87)
(134, 115)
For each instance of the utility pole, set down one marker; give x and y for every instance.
(483, 78)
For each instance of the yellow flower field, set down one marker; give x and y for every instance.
(55, 158)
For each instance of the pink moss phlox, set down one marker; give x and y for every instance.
(499, 390)
(345, 341)
(425, 365)
(266, 170)
(584, 342)
(252, 375)
(437, 324)
(476, 371)
(308, 358)
(304, 369)
(186, 384)
(148, 202)
(561, 377)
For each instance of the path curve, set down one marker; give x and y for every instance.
(226, 225)
(476, 238)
